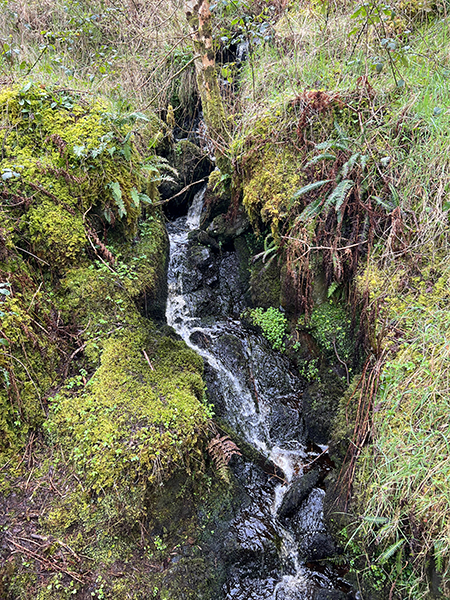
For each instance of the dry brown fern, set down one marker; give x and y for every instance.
(221, 450)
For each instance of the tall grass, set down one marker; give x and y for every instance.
(128, 50)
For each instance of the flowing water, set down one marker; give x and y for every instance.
(280, 532)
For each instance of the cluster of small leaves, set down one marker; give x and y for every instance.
(273, 324)
(330, 325)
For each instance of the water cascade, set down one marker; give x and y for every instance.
(278, 539)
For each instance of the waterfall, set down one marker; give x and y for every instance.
(260, 399)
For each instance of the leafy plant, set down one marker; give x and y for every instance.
(273, 324)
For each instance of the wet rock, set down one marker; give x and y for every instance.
(252, 534)
(330, 595)
(225, 230)
(286, 424)
(314, 541)
(300, 489)
(318, 547)
(239, 587)
(201, 237)
(295, 587)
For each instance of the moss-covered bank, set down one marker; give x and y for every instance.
(102, 414)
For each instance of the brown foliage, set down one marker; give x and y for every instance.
(221, 450)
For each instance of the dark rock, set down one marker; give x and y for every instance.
(241, 587)
(225, 230)
(265, 284)
(329, 595)
(300, 489)
(201, 237)
(320, 402)
(286, 423)
(192, 166)
(319, 546)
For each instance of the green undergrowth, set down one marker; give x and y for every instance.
(403, 476)
(273, 324)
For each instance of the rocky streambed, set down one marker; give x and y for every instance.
(276, 545)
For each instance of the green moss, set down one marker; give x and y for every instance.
(136, 418)
(270, 183)
(56, 236)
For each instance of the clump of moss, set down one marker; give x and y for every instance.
(55, 235)
(140, 416)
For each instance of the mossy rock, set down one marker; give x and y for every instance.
(265, 284)
(140, 416)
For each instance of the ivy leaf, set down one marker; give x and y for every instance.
(26, 87)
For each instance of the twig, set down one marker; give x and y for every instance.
(148, 360)
(74, 353)
(180, 192)
(33, 255)
(37, 60)
(162, 62)
(341, 361)
(317, 458)
(287, 237)
(45, 561)
(31, 379)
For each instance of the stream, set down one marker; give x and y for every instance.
(277, 543)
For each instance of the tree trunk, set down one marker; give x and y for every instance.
(199, 18)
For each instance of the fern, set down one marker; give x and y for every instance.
(319, 157)
(221, 450)
(348, 166)
(117, 195)
(308, 188)
(159, 169)
(338, 196)
(390, 551)
(312, 210)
